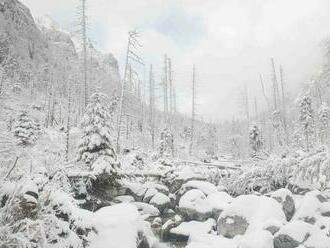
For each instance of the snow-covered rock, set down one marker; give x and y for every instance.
(284, 197)
(193, 206)
(292, 235)
(160, 201)
(258, 239)
(146, 210)
(211, 241)
(312, 207)
(117, 226)
(123, 199)
(248, 213)
(218, 202)
(185, 229)
(149, 194)
(206, 187)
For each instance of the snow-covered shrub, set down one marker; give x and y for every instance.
(313, 169)
(30, 218)
(255, 140)
(263, 177)
(25, 130)
(166, 147)
(96, 139)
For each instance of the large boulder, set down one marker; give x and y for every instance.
(313, 206)
(249, 213)
(160, 201)
(146, 210)
(182, 232)
(206, 187)
(118, 226)
(292, 235)
(218, 202)
(193, 206)
(284, 197)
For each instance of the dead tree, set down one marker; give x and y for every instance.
(284, 117)
(126, 95)
(152, 106)
(83, 32)
(193, 112)
(68, 125)
(165, 90)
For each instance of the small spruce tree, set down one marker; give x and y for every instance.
(96, 125)
(323, 122)
(25, 130)
(255, 140)
(306, 120)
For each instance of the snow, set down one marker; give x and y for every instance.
(260, 239)
(256, 210)
(195, 199)
(197, 227)
(124, 198)
(160, 199)
(210, 241)
(219, 200)
(146, 210)
(206, 187)
(296, 230)
(117, 227)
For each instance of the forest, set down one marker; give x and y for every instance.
(94, 154)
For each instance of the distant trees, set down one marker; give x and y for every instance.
(96, 138)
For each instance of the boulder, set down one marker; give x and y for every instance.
(206, 187)
(193, 206)
(182, 232)
(123, 198)
(146, 210)
(218, 202)
(249, 212)
(284, 197)
(149, 194)
(160, 201)
(292, 234)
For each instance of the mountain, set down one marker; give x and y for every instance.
(35, 53)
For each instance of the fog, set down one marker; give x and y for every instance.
(230, 42)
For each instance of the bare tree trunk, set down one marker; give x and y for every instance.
(68, 126)
(193, 112)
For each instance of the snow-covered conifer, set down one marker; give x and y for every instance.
(323, 121)
(306, 119)
(96, 125)
(255, 140)
(25, 129)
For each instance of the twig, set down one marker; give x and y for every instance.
(15, 163)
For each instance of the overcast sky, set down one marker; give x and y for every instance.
(230, 41)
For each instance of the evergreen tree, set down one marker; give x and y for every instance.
(166, 143)
(306, 120)
(255, 140)
(324, 121)
(25, 130)
(96, 139)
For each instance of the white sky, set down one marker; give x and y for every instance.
(230, 41)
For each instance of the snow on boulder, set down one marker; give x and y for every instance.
(218, 202)
(30, 194)
(193, 206)
(211, 241)
(159, 187)
(259, 239)
(146, 210)
(248, 213)
(292, 234)
(284, 197)
(137, 190)
(312, 207)
(149, 194)
(160, 201)
(123, 198)
(318, 239)
(186, 229)
(206, 187)
(117, 226)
